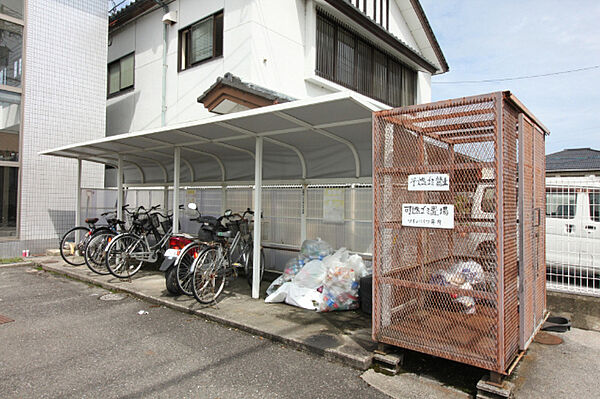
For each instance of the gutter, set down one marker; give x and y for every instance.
(163, 110)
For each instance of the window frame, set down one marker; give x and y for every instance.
(121, 89)
(184, 41)
(570, 206)
(594, 205)
(374, 82)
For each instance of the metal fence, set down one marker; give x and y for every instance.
(445, 255)
(573, 234)
(345, 223)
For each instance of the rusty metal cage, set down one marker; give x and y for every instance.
(456, 185)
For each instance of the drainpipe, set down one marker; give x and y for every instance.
(163, 112)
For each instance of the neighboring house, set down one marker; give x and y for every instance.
(52, 93)
(573, 162)
(178, 60)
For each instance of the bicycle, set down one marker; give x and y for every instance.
(95, 249)
(127, 252)
(214, 264)
(182, 271)
(73, 242)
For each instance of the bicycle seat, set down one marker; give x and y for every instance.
(91, 220)
(115, 221)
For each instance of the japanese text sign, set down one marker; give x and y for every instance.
(429, 182)
(437, 216)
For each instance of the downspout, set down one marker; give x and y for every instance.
(163, 111)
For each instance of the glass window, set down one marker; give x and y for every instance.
(9, 178)
(561, 204)
(10, 123)
(11, 52)
(121, 74)
(201, 41)
(595, 206)
(346, 58)
(12, 8)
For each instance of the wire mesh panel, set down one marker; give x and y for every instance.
(445, 229)
(573, 234)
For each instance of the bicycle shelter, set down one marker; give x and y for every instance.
(321, 140)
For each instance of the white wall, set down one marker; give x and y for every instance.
(64, 96)
(266, 42)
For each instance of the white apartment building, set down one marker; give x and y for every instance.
(52, 91)
(164, 57)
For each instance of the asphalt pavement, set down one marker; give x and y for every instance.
(66, 342)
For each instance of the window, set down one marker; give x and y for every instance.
(349, 60)
(595, 206)
(561, 204)
(120, 74)
(11, 49)
(201, 41)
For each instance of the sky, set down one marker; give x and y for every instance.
(488, 39)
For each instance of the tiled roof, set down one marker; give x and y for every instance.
(582, 159)
(235, 82)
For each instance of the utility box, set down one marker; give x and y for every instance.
(459, 229)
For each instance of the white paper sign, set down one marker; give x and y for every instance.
(429, 182)
(436, 216)
(333, 205)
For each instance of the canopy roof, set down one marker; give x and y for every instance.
(326, 137)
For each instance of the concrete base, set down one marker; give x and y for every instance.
(411, 386)
(583, 311)
(340, 336)
(53, 252)
(489, 390)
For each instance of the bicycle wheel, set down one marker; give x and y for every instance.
(249, 262)
(72, 245)
(95, 251)
(125, 255)
(184, 266)
(208, 278)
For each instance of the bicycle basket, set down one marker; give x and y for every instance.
(166, 225)
(233, 227)
(244, 227)
(154, 220)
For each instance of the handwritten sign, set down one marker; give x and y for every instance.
(429, 182)
(436, 216)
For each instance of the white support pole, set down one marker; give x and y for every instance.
(120, 188)
(77, 200)
(223, 199)
(303, 213)
(176, 170)
(257, 217)
(166, 199)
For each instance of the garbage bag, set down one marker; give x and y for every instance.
(279, 294)
(311, 275)
(467, 302)
(278, 282)
(315, 249)
(340, 288)
(303, 297)
(295, 295)
(292, 267)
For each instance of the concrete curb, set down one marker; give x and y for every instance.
(17, 264)
(360, 362)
